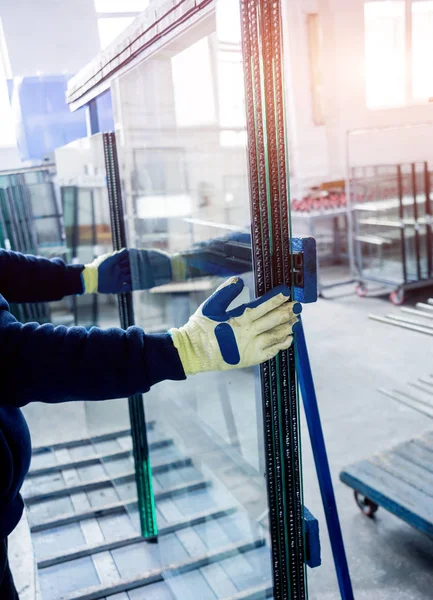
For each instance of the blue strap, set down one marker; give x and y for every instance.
(322, 466)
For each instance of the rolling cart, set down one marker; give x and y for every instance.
(393, 228)
(399, 480)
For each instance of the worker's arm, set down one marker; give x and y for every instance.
(58, 364)
(26, 278)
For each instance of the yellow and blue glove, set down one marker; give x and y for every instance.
(127, 270)
(218, 339)
(108, 274)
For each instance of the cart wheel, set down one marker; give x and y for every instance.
(397, 297)
(361, 290)
(367, 506)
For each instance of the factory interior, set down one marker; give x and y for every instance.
(163, 125)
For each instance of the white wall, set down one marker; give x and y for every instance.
(9, 158)
(347, 106)
(319, 153)
(49, 36)
(54, 36)
(307, 142)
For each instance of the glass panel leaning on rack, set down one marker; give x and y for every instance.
(216, 458)
(183, 161)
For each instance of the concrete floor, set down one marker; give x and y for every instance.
(351, 358)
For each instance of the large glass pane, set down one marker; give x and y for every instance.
(185, 174)
(181, 132)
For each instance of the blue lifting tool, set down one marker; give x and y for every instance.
(306, 291)
(232, 255)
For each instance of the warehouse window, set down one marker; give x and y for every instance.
(194, 103)
(230, 91)
(120, 6)
(7, 130)
(110, 28)
(385, 53)
(314, 34)
(114, 16)
(398, 50)
(422, 50)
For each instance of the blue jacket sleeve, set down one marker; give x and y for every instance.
(25, 278)
(58, 364)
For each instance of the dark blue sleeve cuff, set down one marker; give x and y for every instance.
(73, 282)
(162, 359)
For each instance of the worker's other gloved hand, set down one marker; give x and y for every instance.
(108, 274)
(217, 339)
(127, 270)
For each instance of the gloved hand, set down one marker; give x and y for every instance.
(128, 270)
(108, 274)
(217, 339)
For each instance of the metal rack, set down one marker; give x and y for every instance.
(393, 227)
(31, 223)
(35, 199)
